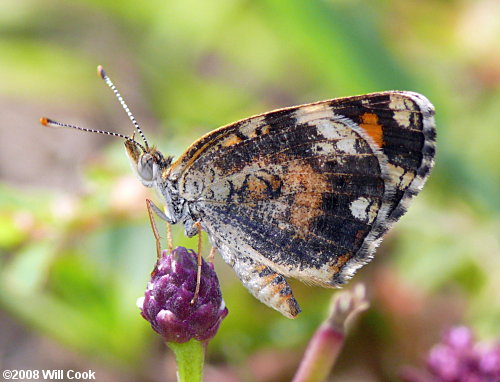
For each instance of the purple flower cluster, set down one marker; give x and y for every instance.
(167, 301)
(459, 359)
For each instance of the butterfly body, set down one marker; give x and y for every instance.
(305, 192)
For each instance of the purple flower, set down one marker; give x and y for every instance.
(459, 359)
(167, 301)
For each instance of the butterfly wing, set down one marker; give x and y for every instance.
(309, 190)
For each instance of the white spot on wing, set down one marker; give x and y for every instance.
(347, 146)
(248, 128)
(402, 118)
(359, 208)
(343, 135)
(306, 114)
(399, 103)
(329, 130)
(402, 108)
(400, 177)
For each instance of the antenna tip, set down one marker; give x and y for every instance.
(45, 121)
(101, 72)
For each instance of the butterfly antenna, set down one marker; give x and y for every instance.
(51, 123)
(104, 76)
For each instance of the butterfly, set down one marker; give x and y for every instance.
(304, 192)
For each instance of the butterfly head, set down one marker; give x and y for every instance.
(147, 163)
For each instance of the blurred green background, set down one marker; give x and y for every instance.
(76, 248)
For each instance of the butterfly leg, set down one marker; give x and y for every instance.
(170, 242)
(198, 273)
(152, 207)
(149, 205)
(266, 285)
(211, 255)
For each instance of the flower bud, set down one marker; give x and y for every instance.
(167, 301)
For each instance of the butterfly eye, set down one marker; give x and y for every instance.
(146, 166)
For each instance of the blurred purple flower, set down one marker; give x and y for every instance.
(459, 359)
(167, 301)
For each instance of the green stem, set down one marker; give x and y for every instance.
(190, 357)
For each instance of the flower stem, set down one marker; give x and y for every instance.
(321, 353)
(325, 345)
(189, 357)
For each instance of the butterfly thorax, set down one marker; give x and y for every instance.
(176, 208)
